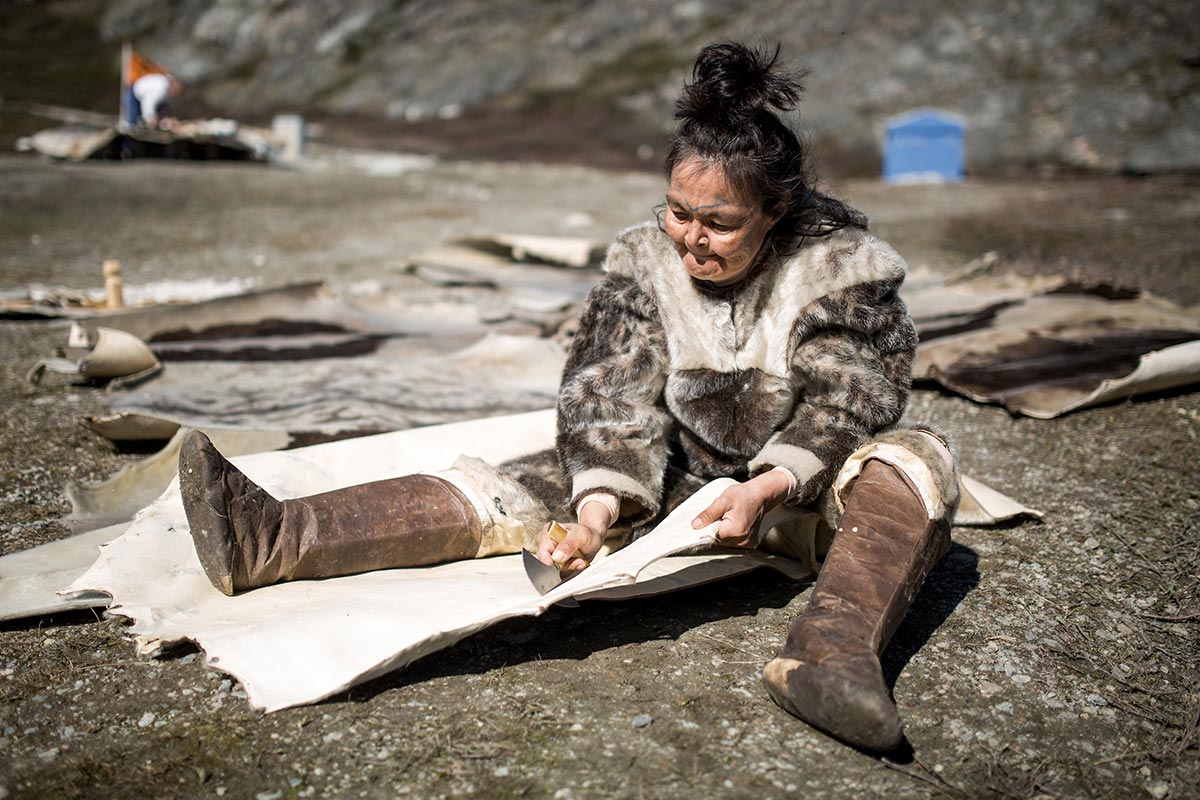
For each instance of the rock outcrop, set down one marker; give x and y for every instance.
(1084, 83)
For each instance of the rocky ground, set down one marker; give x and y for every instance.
(1045, 659)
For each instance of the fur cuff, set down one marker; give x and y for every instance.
(629, 490)
(802, 463)
(511, 516)
(919, 458)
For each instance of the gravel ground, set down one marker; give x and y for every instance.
(1044, 659)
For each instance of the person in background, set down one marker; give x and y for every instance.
(148, 89)
(153, 93)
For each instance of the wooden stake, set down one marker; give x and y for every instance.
(113, 291)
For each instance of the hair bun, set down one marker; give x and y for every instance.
(733, 80)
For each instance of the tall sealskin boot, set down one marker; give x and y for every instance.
(828, 673)
(246, 539)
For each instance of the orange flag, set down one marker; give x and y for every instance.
(136, 65)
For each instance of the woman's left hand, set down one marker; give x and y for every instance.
(741, 509)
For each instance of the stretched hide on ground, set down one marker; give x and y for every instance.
(567, 251)
(1040, 346)
(296, 643)
(530, 286)
(1043, 347)
(317, 364)
(41, 302)
(137, 485)
(30, 581)
(400, 384)
(112, 355)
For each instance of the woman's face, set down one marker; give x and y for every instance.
(716, 231)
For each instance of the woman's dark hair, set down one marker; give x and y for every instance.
(726, 119)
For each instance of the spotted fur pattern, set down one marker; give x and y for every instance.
(794, 367)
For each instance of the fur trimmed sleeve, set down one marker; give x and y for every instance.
(612, 425)
(852, 367)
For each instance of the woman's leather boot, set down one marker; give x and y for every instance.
(245, 538)
(829, 673)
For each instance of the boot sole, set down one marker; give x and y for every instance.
(862, 716)
(201, 494)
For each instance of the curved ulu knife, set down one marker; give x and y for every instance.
(545, 577)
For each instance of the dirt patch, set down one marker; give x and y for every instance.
(1091, 229)
(551, 129)
(1051, 659)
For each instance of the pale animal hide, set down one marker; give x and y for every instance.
(371, 361)
(1042, 347)
(296, 643)
(299, 642)
(403, 383)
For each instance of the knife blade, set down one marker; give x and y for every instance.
(545, 577)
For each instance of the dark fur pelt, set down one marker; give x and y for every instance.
(802, 362)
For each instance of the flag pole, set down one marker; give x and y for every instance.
(123, 109)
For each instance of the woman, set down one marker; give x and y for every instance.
(754, 333)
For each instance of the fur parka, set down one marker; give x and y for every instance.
(797, 365)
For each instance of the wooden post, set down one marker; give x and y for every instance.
(123, 125)
(113, 291)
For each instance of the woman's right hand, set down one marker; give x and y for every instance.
(576, 551)
(741, 509)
